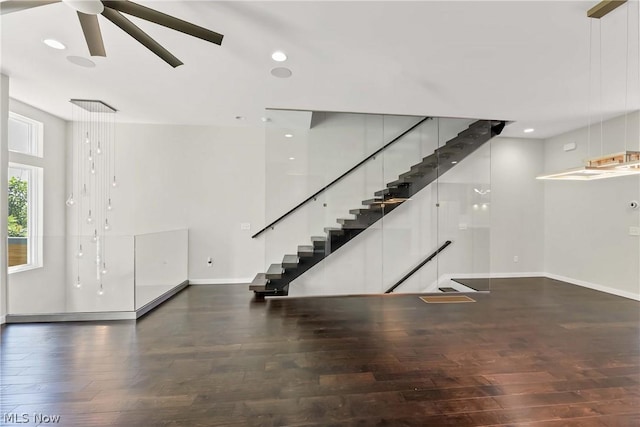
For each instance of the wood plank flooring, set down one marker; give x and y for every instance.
(533, 352)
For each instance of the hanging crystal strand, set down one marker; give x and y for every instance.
(98, 258)
(114, 153)
(108, 163)
(76, 145)
(103, 194)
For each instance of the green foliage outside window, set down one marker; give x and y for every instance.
(17, 221)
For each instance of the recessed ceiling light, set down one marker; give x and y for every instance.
(265, 119)
(279, 56)
(80, 61)
(454, 162)
(281, 72)
(292, 158)
(529, 130)
(288, 135)
(54, 44)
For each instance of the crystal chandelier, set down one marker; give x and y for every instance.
(94, 179)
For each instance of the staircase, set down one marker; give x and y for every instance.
(275, 282)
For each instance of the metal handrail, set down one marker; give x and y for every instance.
(315, 195)
(419, 266)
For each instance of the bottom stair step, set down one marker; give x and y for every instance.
(259, 282)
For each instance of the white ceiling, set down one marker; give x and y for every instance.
(525, 61)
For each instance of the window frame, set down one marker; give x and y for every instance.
(36, 135)
(35, 221)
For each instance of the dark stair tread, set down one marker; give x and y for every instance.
(305, 251)
(372, 201)
(448, 289)
(259, 282)
(319, 241)
(290, 261)
(274, 271)
(385, 192)
(371, 210)
(343, 221)
(334, 230)
(396, 183)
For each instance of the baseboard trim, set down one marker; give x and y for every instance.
(495, 275)
(240, 281)
(595, 287)
(3, 319)
(584, 284)
(161, 299)
(71, 317)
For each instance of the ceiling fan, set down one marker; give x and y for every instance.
(113, 10)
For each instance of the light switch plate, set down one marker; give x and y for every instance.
(245, 226)
(634, 231)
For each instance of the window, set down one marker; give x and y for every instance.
(25, 184)
(25, 135)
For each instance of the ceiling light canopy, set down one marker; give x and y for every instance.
(529, 130)
(55, 44)
(90, 7)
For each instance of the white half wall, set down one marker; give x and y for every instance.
(43, 290)
(587, 224)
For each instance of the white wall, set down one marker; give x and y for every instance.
(517, 206)
(206, 179)
(43, 290)
(587, 223)
(4, 161)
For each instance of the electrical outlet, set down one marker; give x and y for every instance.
(634, 231)
(245, 226)
(516, 258)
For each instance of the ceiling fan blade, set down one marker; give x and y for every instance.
(135, 32)
(92, 34)
(11, 6)
(165, 20)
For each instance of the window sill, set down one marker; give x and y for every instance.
(22, 268)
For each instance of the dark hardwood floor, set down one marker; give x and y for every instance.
(532, 352)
